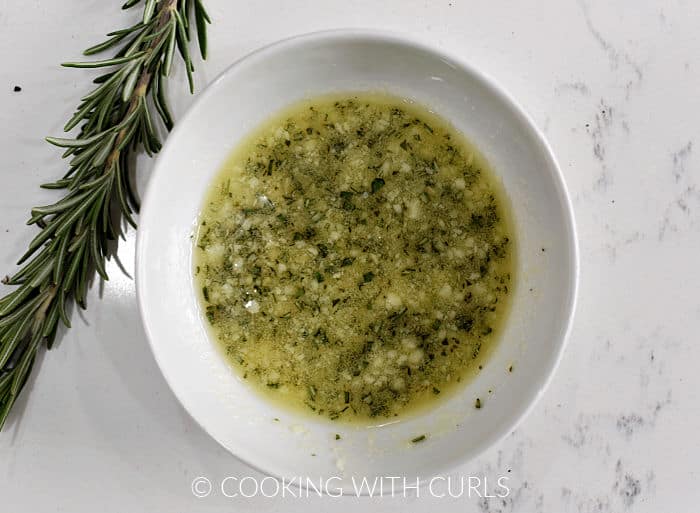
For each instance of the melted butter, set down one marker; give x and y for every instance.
(354, 258)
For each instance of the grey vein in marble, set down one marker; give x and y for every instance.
(683, 210)
(615, 55)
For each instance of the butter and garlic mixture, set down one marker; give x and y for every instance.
(354, 257)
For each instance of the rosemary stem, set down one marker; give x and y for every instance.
(164, 13)
(73, 239)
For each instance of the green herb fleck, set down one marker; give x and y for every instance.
(377, 184)
(346, 196)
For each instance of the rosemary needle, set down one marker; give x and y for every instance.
(72, 244)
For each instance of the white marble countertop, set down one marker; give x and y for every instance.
(614, 85)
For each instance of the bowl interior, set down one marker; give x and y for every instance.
(239, 100)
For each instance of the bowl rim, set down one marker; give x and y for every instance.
(540, 382)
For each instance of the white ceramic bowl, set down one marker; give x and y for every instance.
(241, 98)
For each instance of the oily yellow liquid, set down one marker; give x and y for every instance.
(355, 258)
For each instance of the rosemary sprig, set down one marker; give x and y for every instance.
(115, 119)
